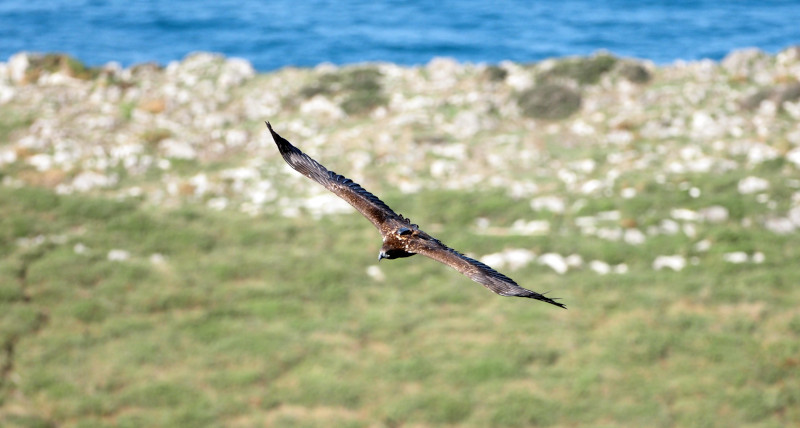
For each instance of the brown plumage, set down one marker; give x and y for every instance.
(401, 238)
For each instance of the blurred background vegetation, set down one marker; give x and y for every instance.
(119, 310)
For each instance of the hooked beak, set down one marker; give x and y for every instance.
(381, 255)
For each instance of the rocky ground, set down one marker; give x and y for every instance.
(556, 135)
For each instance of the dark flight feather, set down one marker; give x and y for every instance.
(482, 273)
(401, 238)
(365, 202)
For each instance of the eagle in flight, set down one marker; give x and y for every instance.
(401, 238)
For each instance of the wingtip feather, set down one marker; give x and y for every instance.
(543, 298)
(284, 146)
(553, 302)
(275, 135)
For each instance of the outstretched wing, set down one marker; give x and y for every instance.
(477, 271)
(366, 203)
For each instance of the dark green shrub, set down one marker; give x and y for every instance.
(549, 101)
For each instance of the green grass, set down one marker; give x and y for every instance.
(10, 121)
(361, 85)
(582, 70)
(271, 321)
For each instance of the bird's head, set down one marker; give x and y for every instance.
(388, 254)
(393, 253)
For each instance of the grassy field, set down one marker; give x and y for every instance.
(209, 318)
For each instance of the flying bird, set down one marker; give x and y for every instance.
(401, 238)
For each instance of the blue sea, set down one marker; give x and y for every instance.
(279, 33)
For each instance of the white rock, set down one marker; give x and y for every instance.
(31, 242)
(235, 137)
(752, 184)
(619, 137)
(88, 180)
(482, 223)
(553, 204)
(518, 78)
(321, 106)
(200, 183)
(634, 236)
(690, 230)
(737, 257)
(238, 176)
(567, 176)
(600, 267)
(780, 225)
(7, 93)
(514, 258)
(177, 149)
(325, 204)
(235, 71)
(494, 260)
(669, 227)
(591, 186)
(794, 215)
(715, 214)
(586, 222)
(554, 261)
(581, 128)
(609, 215)
(441, 168)
(610, 234)
(628, 193)
(675, 262)
(520, 257)
(702, 246)
(41, 161)
(442, 72)
(704, 126)
(685, 214)
(118, 255)
(7, 156)
(257, 193)
(466, 124)
(533, 227)
(376, 273)
(585, 166)
(690, 152)
(760, 152)
(740, 62)
(522, 189)
(574, 260)
(17, 66)
(217, 204)
(793, 156)
(703, 164)
(453, 151)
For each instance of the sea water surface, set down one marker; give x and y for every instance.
(279, 33)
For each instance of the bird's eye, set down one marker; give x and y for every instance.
(403, 231)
